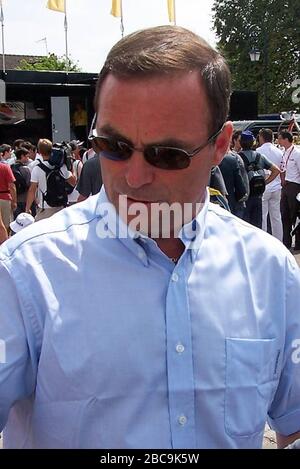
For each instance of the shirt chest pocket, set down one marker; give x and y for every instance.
(251, 375)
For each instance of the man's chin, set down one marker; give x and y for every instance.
(154, 219)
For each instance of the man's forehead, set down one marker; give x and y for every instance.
(175, 90)
(165, 105)
(180, 79)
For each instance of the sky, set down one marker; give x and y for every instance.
(92, 30)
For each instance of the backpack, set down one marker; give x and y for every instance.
(56, 194)
(21, 184)
(57, 156)
(256, 175)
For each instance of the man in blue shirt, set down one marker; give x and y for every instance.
(121, 328)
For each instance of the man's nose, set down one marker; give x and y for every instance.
(138, 172)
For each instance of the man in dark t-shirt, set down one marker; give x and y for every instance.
(90, 180)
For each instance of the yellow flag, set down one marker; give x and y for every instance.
(57, 5)
(171, 11)
(116, 8)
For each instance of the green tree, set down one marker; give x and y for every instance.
(273, 27)
(50, 62)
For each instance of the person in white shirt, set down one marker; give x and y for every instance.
(272, 194)
(76, 168)
(290, 189)
(39, 183)
(36, 161)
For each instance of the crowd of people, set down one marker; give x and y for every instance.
(23, 178)
(273, 205)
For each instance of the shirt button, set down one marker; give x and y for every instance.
(175, 277)
(182, 420)
(179, 348)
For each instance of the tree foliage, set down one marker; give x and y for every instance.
(50, 62)
(273, 27)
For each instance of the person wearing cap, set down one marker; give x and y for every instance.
(146, 317)
(75, 148)
(253, 211)
(22, 221)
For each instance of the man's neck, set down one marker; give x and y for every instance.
(171, 247)
(287, 147)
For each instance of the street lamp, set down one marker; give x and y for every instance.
(254, 55)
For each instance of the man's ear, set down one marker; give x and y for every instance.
(222, 143)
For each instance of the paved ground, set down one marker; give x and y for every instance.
(269, 439)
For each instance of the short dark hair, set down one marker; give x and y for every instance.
(285, 134)
(246, 144)
(165, 50)
(4, 148)
(235, 136)
(19, 152)
(18, 143)
(266, 134)
(27, 145)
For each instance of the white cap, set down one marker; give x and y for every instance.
(22, 220)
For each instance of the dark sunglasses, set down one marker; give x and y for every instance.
(162, 157)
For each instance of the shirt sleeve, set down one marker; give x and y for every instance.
(17, 369)
(65, 172)
(84, 186)
(267, 164)
(284, 413)
(35, 174)
(240, 188)
(27, 175)
(10, 175)
(297, 160)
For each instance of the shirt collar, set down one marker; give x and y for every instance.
(289, 149)
(111, 225)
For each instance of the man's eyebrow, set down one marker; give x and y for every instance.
(109, 131)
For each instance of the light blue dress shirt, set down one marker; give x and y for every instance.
(105, 343)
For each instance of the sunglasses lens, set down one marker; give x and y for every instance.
(124, 150)
(167, 158)
(113, 149)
